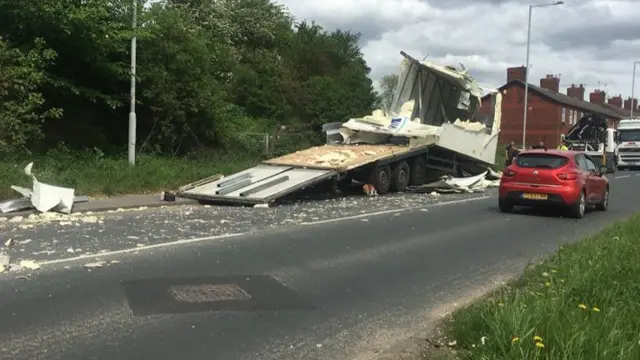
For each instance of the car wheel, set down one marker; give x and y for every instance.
(505, 206)
(577, 210)
(604, 204)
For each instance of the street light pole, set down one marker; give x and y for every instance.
(633, 85)
(526, 73)
(132, 105)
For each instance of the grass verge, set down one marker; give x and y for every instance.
(580, 304)
(91, 173)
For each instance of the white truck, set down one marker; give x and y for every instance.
(628, 143)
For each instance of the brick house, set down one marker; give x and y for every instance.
(551, 113)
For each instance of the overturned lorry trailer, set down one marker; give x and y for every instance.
(592, 135)
(433, 123)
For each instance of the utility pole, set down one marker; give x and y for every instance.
(633, 85)
(132, 106)
(526, 74)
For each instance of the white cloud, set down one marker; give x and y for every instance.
(585, 41)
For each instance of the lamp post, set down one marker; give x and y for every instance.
(526, 74)
(633, 85)
(132, 105)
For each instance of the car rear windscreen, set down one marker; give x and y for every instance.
(541, 161)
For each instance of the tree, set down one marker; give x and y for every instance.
(208, 72)
(388, 85)
(22, 106)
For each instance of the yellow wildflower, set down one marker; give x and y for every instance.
(540, 345)
(537, 338)
(596, 309)
(582, 306)
(547, 284)
(515, 339)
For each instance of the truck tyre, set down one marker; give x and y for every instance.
(400, 176)
(381, 179)
(418, 172)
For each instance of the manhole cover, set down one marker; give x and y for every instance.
(208, 292)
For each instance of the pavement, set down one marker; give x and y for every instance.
(336, 279)
(114, 203)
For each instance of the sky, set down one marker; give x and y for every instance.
(590, 42)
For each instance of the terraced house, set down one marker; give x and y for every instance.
(551, 113)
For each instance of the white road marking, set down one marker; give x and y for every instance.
(359, 216)
(146, 247)
(623, 176)
(218, 237)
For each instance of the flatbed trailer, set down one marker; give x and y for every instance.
(387, 167)
(444, 102)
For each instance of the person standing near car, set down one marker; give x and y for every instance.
(510, 153)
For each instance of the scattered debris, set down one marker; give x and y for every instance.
(43, 197)
(29, 264)
(4, 262)
(167, 196)
(261, 205)
(369, 190)
(93, 265)
(9, 243)
(450, 184)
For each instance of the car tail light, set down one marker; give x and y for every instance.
(567, 176)
(509, 173)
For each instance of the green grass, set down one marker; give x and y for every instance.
(91, 173)
(583, 302)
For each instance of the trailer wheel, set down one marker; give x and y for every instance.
(400, 176)
(381, 179)
(418, 172)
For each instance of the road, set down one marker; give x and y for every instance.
(344, 286)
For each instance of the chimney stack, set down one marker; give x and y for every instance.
(597, 97)
(517, 73)
(550, 83)
(617, 101)
(576, 91)
(628, 104)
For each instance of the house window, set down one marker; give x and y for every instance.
(570, 117)
(564, 114)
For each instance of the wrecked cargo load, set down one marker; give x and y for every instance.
(432, 127)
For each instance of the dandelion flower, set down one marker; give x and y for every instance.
(582, 306)
(515, 339)
(540, 345)
(596, 309)
(547, 284)
(537, 338)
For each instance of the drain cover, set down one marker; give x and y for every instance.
(208, 292)
(228, 293)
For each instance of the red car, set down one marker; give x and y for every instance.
(567, 179)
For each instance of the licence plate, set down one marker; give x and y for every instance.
(535, 196)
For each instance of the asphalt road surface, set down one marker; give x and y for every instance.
(330, 286)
